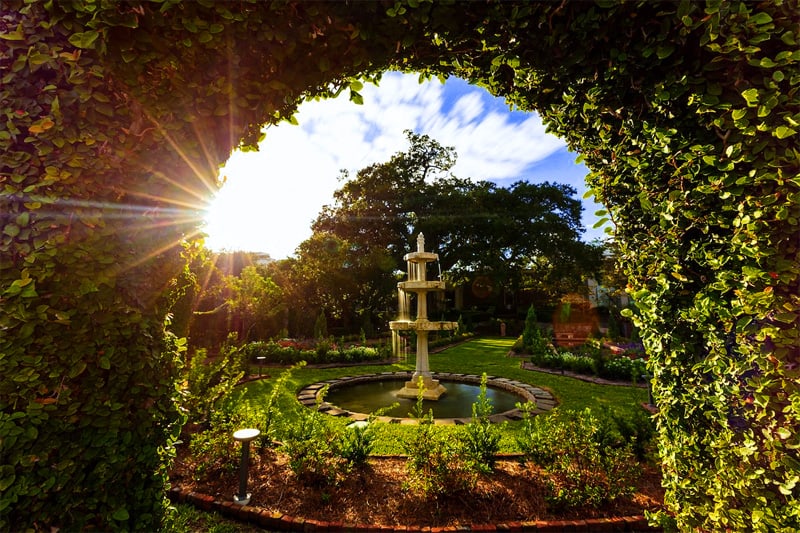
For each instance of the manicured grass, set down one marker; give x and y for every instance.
(477, 356)
(189, 519)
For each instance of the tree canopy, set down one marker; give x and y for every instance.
(116, 117)
(476, 227)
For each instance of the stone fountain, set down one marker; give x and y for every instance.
(419, 285)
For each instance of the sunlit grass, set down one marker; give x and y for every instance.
(189, 519)
(489, 355)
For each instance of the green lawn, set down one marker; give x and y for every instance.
(487, 355)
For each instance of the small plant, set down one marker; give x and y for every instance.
(355, 443)
(624, 368)
(532, 339)
(213, 448)
(482, 439)
(207, 380)
(435, 465)
(574, 450)
(309, 444)
(637, 431)
(271, 412)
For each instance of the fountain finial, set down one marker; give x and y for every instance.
(420, 242)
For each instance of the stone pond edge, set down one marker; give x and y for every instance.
(311, 394)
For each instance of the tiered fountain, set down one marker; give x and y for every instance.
(418, 285)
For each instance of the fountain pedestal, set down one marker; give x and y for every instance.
(419, 285)
(431, 389)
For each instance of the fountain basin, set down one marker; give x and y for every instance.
(393, 381)
(421, 256)
(421, 325)
(421, 286)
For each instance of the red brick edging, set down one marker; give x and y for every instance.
(277, 521)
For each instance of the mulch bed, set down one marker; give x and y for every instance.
(375, 495)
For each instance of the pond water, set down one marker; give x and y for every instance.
(457, 402)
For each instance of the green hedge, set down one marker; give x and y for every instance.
(621, 367)
(276, 353)
(116, 116)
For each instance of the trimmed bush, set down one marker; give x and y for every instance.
(578, 452)
(325, 351)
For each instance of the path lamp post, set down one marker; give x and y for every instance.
(260, 359)
(244, 436)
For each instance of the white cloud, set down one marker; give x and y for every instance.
(272, 196)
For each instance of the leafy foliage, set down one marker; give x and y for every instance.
(532, 339)
(208, 380)
(482, 439)
(310, 445)
(578, 452)
(435, 465)
(325, 351)
(474, 226)
(115, 116)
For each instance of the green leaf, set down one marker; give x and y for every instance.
(12, 230)
(787, 318)
(84, 39)
(356, 98)
(8, 477)
(760, 19)
(781, 132)
(15, 35)
(121, 514)
(751, 97)
(77, 369)
(665, 50)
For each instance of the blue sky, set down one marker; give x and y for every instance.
(271, 197)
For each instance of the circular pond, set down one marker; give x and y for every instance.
(357, 396)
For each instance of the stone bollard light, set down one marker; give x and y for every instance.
(244, 436)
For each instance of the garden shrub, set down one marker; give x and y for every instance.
(207, 380)
(325, 351)
(213, 448)
(482, 438)
(577, 452)
(271, 419)
(637, 431)
(624, 368)
(532, 339)
(309, 443)
(354, 444)
(436, 465)
(591, 361)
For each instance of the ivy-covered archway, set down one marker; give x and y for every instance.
(117, 115)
